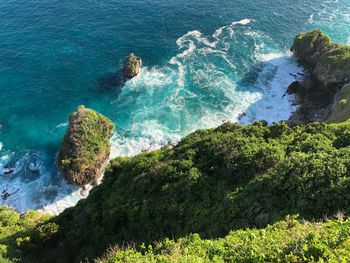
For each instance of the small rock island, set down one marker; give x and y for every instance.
(86, 147)
(132, 66)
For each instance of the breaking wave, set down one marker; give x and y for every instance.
(236, 74)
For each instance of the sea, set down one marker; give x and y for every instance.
(205, 62)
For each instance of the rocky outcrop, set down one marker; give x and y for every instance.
(132, 66)
(294, 87)
(341, 106)
(86, 146)
(329, 71)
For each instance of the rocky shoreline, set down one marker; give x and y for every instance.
(323, 95)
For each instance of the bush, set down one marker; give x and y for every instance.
(290, 240)
(214, 181)
(15, 231)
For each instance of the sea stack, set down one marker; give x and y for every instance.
(132, 66)
(86, 146)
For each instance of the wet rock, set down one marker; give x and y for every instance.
(132, 66)
(294, 87)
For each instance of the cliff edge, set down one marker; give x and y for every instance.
(322, 93)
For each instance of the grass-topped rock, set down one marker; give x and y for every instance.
(328, 62)
(310, 46)
(86, 146)
(329, 67)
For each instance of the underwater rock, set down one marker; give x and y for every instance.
(86, 146)
(132, 66)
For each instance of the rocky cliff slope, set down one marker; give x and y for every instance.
(323, 94)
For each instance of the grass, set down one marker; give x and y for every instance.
(338, 58)
(289, 240)
(214, 181)
(341, 111)
(85, 143)
(315, 47)
(18, 230)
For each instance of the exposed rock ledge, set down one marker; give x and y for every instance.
(324, 94)
(86, 146)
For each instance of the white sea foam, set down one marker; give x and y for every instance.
(207, 91)
(244, 22)
(62, 125)
(275, 103)
(333, 18)
(202, 86)
(219, 31)
(25, 183)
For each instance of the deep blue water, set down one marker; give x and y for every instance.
(205, 62)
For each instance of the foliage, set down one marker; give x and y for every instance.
(214, 181)
(309, 45)
(85, 143)
(315, 47)
(338, 58)
(341, 111)
(16, 231)
(289, 240)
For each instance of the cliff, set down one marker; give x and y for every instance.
(85, 147)
(328, 64)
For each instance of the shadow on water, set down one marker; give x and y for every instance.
(110, 82)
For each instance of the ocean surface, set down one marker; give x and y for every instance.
(205, 62)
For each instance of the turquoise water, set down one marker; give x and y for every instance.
(205, 62)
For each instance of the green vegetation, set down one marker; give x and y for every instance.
(221, 195)
(314, 48)
(341, 111)
(18, 233)
(85, 146)
(337, 58)
(329, 65)
(307, 44)
(286, 241)
(214, 181)
(253, 193)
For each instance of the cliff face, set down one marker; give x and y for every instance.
(85, 148)
(329, 67)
